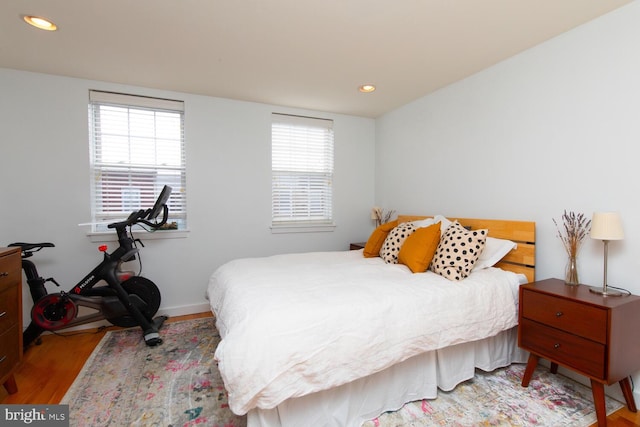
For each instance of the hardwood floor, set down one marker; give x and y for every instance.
(49, 369)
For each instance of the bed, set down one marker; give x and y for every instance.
(337, 338)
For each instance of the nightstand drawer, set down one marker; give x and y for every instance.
(570, 316)
(570, 350)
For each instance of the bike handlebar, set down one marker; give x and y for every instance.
(139, 217)
(145, 216)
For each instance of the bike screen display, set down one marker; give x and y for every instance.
(160, 202)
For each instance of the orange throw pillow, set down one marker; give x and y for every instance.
(374, 244)
(419, 248)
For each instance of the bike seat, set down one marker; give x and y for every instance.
(30, 246)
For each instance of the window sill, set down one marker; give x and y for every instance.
(142, 235)
(302, 228)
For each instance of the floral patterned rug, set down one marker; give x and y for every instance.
(498, 399)
(126, 383)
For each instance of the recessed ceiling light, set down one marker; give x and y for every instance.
(367, 88)
(38, 22)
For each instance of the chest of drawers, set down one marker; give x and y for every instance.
(593, 335)
(10, 316)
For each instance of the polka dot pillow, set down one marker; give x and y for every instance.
(458, 251)
(393, 242)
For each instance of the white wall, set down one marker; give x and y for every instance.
(45, 184)
(556, 127)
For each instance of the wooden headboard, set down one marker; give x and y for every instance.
(520, 260)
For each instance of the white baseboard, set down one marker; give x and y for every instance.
(185, 309)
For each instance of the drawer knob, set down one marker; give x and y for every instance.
(3, 274)
(2, 358)
(559, 314)
(3, 314)
(556, 345)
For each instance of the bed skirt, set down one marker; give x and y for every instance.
(414, 379)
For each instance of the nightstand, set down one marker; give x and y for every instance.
(356, 246)
(590, 334)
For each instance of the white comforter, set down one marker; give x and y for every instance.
(300, 323)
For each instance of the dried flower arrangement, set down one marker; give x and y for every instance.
(575, 227)
(380, 216)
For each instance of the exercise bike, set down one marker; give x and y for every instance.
(123, 299)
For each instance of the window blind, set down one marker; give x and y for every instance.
(137, 147)
(302, 170)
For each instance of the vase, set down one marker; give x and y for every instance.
(571, 275)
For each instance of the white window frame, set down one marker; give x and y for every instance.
(142, 150)
(302, 169)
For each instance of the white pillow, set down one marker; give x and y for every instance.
(494, 250)
(444, 223)
(422, 223)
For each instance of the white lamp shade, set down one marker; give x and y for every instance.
(606, 226)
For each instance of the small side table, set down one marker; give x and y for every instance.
(588, 333)
(356, 246)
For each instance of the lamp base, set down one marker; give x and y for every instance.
(605, 292)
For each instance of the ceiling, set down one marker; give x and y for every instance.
(294, 53)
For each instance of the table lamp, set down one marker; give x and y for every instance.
(606, 226)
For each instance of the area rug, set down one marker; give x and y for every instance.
(498, 399)
(126, 383)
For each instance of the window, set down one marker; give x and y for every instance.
(302, 173)
(137, 147)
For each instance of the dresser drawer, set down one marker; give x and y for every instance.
(570, 316)
(10, 274)
(570, 350)
(9, 307)
(9, 350)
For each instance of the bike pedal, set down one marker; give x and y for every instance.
(153, 342)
